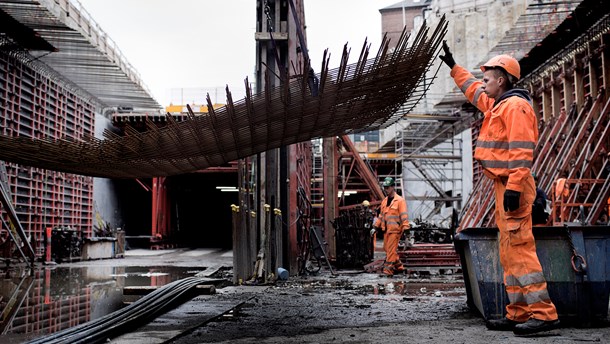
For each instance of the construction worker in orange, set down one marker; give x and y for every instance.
(393, 220)
(505, 149)
(562, 192)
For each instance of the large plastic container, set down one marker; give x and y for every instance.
(581, 298)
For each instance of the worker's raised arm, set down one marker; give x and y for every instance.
(468, 84)
(472, 88)
(522, 137)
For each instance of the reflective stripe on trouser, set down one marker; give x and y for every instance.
(390, 246)
(525, 284)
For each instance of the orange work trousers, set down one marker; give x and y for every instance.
(390, 246)
(525, 284)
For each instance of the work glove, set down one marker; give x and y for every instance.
(511, 200)
(448, 57)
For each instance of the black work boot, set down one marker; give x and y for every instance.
(534, 326)
(503, 324)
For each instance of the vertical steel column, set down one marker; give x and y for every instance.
(605, 56)
(155, 207)
(593, 77)
(568, 89)
(579, 82)
(555, 96)
(331, 191)
(547, 108)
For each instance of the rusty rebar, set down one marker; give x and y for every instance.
(366, 95)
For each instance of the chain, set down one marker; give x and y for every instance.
(267, 11)
(579, 264)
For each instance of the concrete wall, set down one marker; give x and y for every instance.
(105, 200)
(472, 32)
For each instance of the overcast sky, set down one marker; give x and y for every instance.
(210, 43)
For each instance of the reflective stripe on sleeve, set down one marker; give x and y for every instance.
(506, 145)
(477, 94)
(506, 164)
(467, 84)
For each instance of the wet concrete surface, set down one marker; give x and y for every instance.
(51, 298)
(352, 307)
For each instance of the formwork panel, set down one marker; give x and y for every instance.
(33, 105)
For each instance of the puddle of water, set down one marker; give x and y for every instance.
(439, 287)
(52, 299)
(234, 313)
(416, 289)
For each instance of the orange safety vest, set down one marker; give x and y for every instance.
(393, 219)
(505, 147)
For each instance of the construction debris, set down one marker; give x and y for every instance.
(355, 245)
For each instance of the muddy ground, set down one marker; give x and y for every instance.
(352, 307)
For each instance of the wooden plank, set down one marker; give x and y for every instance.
(205, 289)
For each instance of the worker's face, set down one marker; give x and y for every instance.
(492, 84)
(389, 190)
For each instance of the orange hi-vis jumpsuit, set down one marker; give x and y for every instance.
(562, 192)
(505, 150)
(393, 220)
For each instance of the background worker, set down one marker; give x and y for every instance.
(562, 192)
(393, 221)
(505, 149)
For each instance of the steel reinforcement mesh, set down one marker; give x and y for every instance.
(362, 96)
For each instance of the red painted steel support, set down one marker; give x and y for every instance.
(161, 211)
(364, 171)
(48, 232)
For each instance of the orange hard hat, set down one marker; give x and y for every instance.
(506, 62)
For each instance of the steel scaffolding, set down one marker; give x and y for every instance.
(429, 150)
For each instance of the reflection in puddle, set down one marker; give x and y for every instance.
(47, 300)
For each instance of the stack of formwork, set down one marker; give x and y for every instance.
(574, 130)
(34, 105)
